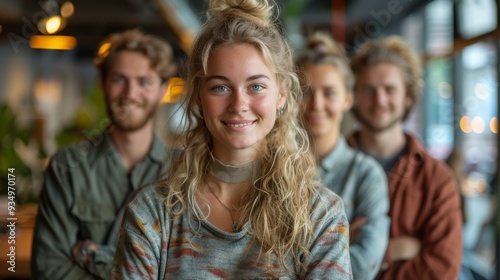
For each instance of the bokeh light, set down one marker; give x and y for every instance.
(481, 91)
(445, 90)
(53, 24)
(104, 49)
(477, 125)
(494, 125)
(465, 124)
(67, 9)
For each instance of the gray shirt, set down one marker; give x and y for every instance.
(85, 191)
(362, 185)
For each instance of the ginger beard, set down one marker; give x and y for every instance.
(129, 115)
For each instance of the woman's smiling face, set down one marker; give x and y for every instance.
(239, 97)
(325, 101)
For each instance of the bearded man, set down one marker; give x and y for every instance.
(86, 186)
(425, 239)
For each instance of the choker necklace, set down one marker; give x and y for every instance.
(234, 225)
(232, 174)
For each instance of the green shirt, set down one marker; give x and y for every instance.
(85, 191)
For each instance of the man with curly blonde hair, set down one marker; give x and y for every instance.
(425, 233)
(87, 185)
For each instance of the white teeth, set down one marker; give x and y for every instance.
(126, 103)
(238, 125)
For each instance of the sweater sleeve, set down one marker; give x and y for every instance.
(138, 249)
(329, 253)
(441, 247)
(134, 258)
(368, 249)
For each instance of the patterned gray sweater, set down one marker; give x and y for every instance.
(152, 245)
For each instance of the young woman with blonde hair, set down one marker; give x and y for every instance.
(327, 80)
(240, 202)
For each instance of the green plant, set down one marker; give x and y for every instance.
(10, 133)
(88, 119)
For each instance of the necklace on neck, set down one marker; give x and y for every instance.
(232, 174)
(234, 225)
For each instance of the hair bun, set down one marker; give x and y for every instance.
(259, 12)
(321, 42)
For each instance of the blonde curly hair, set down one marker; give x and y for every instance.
(157, 50)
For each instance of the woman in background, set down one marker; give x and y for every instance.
(327, 81)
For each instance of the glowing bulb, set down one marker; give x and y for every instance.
(53, 24)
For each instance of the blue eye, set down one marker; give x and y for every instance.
(329, 93)
(118, 79)
(144, 82)
(219, 88)
(256, 87)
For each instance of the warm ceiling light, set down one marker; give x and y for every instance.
(52, 42)
(67, 9)
(174, 90)
(53, 24)
(465, 124)
(103, 50)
